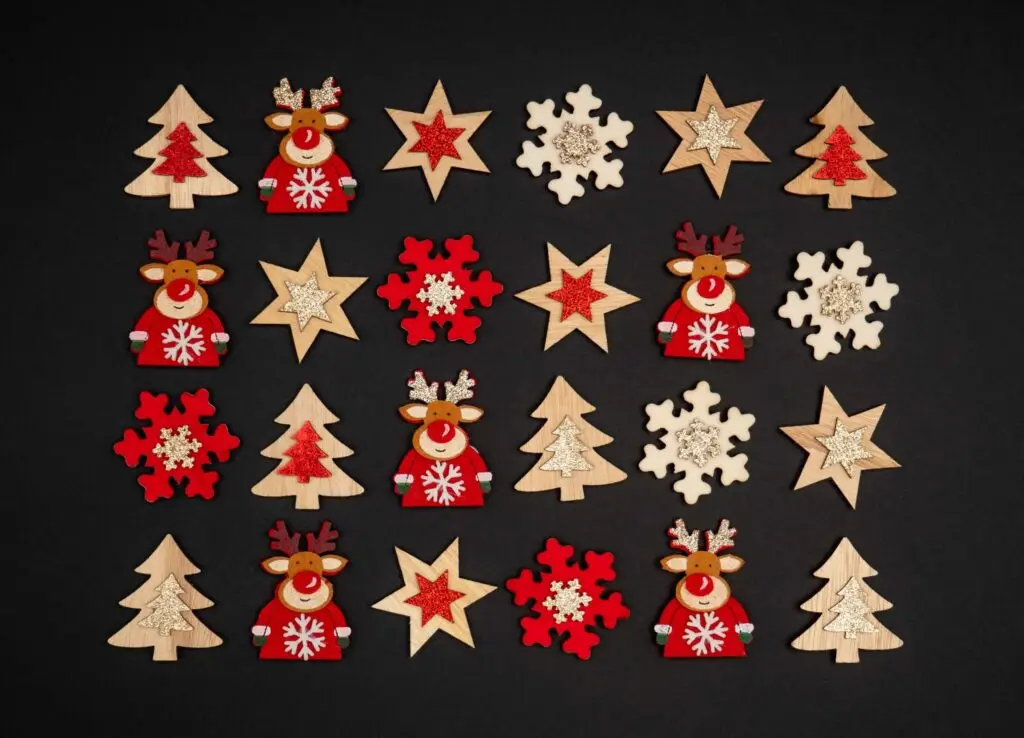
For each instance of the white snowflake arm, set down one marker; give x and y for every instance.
(663, 629)
(138, 336)
(220, 337)
(261, 631)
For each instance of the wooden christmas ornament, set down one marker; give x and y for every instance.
(696, 442)
(437, 140)
(568, 598)
(180, 329)
(568, 462)
(176, 445)
(703, 620)
(846, 604)
(838, 300)
(166, 621)
(309, 300)
(705, 321)
(440, 290)
(434, 597)
(577, 297)
(307, 471)
(181, 154)
(574, 144)
(713, 136)
(302, 623)
(441, 469)
(842, 171)
(839, 447)
(307, 176)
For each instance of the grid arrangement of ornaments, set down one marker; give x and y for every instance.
(446, 295)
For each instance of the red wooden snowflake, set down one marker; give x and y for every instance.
(176, 445)
(568, 599)
(440, 290)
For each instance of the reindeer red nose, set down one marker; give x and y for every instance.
(699, 584)
(181, 289)
(306, 138)
(710, 287)
(440, 431)
(306, 582)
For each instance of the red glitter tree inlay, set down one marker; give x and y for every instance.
(305, 456)
(436, 140)
(839, 159)
(434, 598)
(180, 156)
(576, 295)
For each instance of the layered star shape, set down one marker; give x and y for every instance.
(434, 597)
(839, 447)
(437, 140)
(308, 300)
(577, 297)
(713, 136)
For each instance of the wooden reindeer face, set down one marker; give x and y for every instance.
(439, 435)
(306, 144)
(707, 290)
(180, 294)
(305, 587)
(702, 588)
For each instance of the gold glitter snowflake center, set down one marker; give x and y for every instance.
(576, 144)
(567, 451)
(440, 294)
(307, 301)
(567, 602)
(177, 447)
(713, 134)
(844, 448)
(841, 299)
(698, 443)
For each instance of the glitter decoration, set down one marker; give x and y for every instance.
(325, 96)
(841, 299)
(839, 159)
(167, 609)
(850, 612)
(177, 448)
(434, 598)
(285, 98)
(576, 295)
(461, 390)
(305, 456)
(568, 603)
(567, 450)
(844, 448)
(181, 155)
(698, 442)
(307, 301)
(682, 539)
(713, 134)
(436, 140)
(576, 144)
(440, 294)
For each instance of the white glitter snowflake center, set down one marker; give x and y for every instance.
(440, 294)
(698, 442)
(841, 299)
(567, 602)
(177, 448)
(576, 144)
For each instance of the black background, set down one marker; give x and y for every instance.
(940, 530)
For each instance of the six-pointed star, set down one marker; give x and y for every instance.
(577, 297)
(714, 136)
(437, 140)
(308, 301)
(837, 437)
(434, 597)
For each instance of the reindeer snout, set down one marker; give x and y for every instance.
(306, 582)
(710, 287)
(181, 289)
(440, 431)
(306, 138)
(699, 584)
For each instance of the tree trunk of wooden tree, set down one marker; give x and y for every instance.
(165, 650)
(847, 652)
(181, 198)
(840, 198)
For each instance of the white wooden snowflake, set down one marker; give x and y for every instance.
(440, 294)
(574, 144)
(567, 602)
(693, 436)
(838, 300)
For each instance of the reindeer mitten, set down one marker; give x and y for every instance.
(348, 186)
(661, 634)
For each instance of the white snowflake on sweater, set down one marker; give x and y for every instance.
(568, 602)
(439, 294)
(446, 480)
(309, 188)
(176, 448)
(704, 636)
(307, 638)
(183, 342)
(708, 336)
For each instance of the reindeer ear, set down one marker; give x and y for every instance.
(414, 412)
(730, 563)
(736, 267)
(208, 273)
(335, 121)
(470, 413)
(279, 121)
(153, 272)
(680, 267)
(275, 565)
(676, 563)
(333, 563)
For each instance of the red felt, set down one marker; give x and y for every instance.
(839, 159)
(436, 140)
(181, 155)
(305, 456)
(576, 295)
(434, 598)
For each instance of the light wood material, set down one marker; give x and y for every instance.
(843, 565)
(468, 158)
(343, 287)
(593, 329)
(562, 402)
(806, 436)
(307, 408)
(181, 108)
(167, 559)
(843, 111)
(420, 633)
(716, 171)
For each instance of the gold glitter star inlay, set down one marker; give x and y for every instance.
(844, 447)
(307, 301)
(713, 134)
(841, 299)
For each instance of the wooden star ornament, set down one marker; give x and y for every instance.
(437, 140)
(839, 447)
(714, 136)
(309, 300)
(434, 597)
(577, 297)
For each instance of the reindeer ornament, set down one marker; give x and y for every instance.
(307, 176)
(442, 469)
(705, 322)
(703, 619)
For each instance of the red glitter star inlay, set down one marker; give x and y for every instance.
(576, 295)
(434, 598)
(436, 140)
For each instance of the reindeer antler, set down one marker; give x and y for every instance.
(728, 245)
(323, 541)
(683, 540)
(420, 390)
(285, 98)
(202, 250)
(721, 539)
(160, 250)
(688, 242)
(280, 540)
(325, 97)
(461, 390)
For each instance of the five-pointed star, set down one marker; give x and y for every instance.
(570, 300)
(714, 136)
(308, 300)
(429, 609)
(816, 440)
(437, 140)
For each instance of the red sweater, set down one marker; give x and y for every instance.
(703, 634)
(451, 483)
(309, 636)
(316, 189)
(704, 336)
(175, 342)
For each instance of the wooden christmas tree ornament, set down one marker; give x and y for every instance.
(166, 621)
(309, 300)
(434, 597)
(302, 623)
(846, 604)
(437, 140)
(842, 171)
(703, 620)
(714, 136)
(568, 462)
(306, 450)
(181, 154)
(307, 176)
(577, 297)
(839, 447)
(441, 469)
